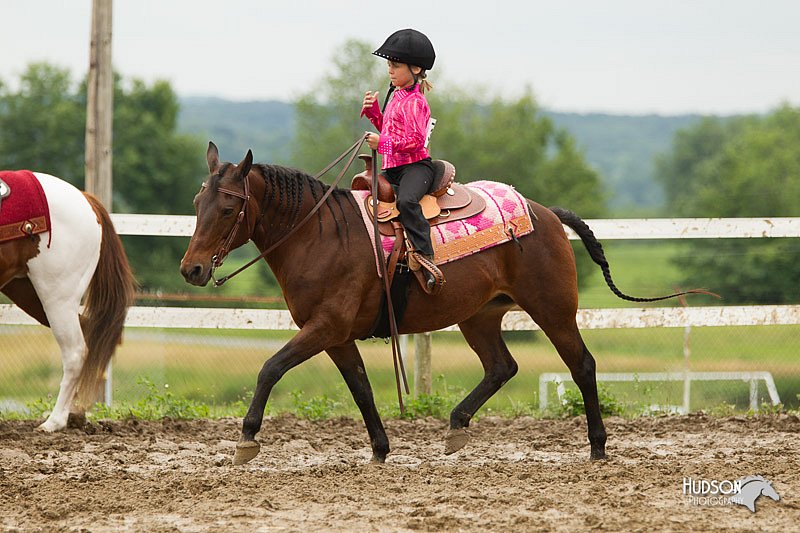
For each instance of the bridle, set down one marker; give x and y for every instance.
(218, 258)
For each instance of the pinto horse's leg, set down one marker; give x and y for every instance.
(482, 332)
(348, 361)
(22, 293)
(59, 293)
(307, 343)
(66, 328)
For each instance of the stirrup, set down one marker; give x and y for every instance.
(430, 277)
(430, 281)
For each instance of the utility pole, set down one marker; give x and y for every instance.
(99, 122)
(100, 105)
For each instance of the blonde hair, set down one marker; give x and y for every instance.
(424, 84)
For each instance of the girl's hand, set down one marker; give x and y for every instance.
(373, 139)
(369, 99)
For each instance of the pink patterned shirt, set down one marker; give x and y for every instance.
(403, 127)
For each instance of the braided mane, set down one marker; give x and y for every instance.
(286, 187)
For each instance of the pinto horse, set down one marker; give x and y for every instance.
(47, 275)
(327, 273)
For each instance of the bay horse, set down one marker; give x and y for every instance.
(327, 273)
(48, 274)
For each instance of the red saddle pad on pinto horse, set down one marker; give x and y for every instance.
(23, 209)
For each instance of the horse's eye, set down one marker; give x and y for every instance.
(227, 211)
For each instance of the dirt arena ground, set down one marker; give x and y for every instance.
(514, 475)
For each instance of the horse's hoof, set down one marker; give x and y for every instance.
(377, 460)
(245, 451)
(48, 426)
(455, 440)
(76, 420)
(598, 455)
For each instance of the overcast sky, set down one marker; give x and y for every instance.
(616, 56)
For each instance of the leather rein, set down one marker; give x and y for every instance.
(218, 258)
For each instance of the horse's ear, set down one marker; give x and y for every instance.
(244, 167)
(212, 156)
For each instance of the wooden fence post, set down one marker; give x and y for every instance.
(100, 105)
(99, 120)
(422, 364)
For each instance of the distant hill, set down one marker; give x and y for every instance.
(623, 148)
(266, 127)
(620, 147)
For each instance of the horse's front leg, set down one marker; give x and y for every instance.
(348, 361)
(306, 344)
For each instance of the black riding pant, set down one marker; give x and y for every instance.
(411, 182)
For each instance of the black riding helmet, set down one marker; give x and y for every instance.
(410, 47)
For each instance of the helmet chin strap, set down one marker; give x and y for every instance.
(388, 94)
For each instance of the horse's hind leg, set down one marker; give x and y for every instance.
(564, 334)
(66, 328)
(482, 332)
(585, 377)
(348, 361)
(60, 291)
(22, 293)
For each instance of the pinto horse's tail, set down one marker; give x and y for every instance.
(106, 303)
(595, 250)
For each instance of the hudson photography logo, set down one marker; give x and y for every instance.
(717, 492)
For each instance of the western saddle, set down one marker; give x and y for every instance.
(447, 202)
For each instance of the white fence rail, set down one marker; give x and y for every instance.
(621, 228)
(274, 319)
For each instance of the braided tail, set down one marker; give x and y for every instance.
(595, 250)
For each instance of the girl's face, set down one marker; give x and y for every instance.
(401, 74)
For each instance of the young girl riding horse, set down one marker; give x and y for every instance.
(403, 126)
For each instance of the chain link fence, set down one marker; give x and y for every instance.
(220, 368)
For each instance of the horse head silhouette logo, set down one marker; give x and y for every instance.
(752, 488)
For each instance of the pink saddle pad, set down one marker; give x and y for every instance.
(506, 213)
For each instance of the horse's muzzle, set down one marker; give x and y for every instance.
(196, 274)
